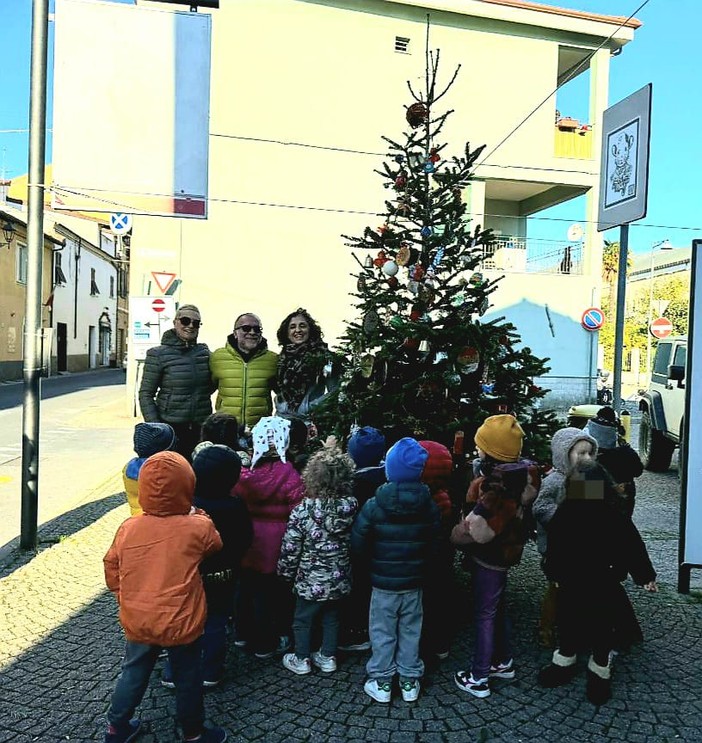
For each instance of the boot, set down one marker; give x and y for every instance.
(599, 684)
(560, 671)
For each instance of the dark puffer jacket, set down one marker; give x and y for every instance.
(176, 386)
(398, 531)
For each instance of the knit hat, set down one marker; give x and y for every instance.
(439, 464)
(366, 447)
(270, 430)
(563, 441)
(500, 437)
(217, 469)
(604, 428)
(150, 438)
(405, 461)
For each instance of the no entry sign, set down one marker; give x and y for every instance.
(661, 327)
(593, 318)
(158, 305)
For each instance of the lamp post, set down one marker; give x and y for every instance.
(663, 245)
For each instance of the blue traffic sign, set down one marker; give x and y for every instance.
(120, 224)
(593, 318)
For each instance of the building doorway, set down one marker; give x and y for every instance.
(61, 347)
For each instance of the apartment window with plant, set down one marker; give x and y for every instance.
(94, 290)
(21, 271)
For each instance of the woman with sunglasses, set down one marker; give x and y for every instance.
(244, 372)
(304, 364)
(176, 387)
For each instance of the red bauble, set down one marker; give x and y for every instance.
(411, 344)
(392, 282)
(434, 156)
(381, 260)
(417, 114)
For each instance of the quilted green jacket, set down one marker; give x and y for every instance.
(244, 387)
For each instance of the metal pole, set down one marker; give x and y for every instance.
(619, 326)
(35, 250)
(650, 317)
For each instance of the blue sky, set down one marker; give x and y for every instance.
(664, 52)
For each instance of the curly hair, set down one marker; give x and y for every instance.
(315, 331)
(329, 474)
(221, 428)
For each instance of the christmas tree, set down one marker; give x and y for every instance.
(419, 361)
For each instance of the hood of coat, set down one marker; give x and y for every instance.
(561, 444)
(439, 464)
(403, 497)
(166, 485)
(334, 516)
(217, 469)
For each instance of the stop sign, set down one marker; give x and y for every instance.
(661, 327)
(158, 305)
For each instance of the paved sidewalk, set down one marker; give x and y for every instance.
(60, 649)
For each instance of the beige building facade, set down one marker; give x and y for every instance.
(301, 94)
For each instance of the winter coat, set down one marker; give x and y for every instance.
(623, 464)
(315, 548)
(553, 489)
(398, 531)
(152, 564)
(270, 491)
(365, 483)
(244, 387)
(591, 544)
(494, 530)
(176, 386)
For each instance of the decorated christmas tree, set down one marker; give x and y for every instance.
(419, 361)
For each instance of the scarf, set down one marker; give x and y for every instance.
(299, 367)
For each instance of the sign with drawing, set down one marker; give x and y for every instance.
(626, 128)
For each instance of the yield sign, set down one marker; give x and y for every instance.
(163, 280)
(661, 327)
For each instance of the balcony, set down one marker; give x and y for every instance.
(573, 139)
(525, 255)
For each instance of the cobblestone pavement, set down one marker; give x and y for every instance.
(60, 650)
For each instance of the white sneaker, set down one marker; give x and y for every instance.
(410, 690)
(300, 666)
(324, 663)
(381, 691)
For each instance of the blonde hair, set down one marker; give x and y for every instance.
(329, 474)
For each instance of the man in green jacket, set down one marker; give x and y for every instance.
(244, 372)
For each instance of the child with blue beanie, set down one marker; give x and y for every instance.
(149, 438)
(397, 532)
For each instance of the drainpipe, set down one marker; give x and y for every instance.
(75, 290)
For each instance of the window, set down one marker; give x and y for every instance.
(660, 363)
(112, 287)
(402, 44)
(93, 284)
(22, 259)
(680, 357)
(122, 279)
(59, 275)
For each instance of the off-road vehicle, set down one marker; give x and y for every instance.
(662, 405)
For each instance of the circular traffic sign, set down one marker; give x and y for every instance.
(593, 318)
(120, 224)
(158, 305)
(661, 327)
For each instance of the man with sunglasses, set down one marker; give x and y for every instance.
(176, 386)
(244, 372)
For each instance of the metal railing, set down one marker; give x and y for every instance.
(526, 255)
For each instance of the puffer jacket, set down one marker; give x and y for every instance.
(244, 387)
(176, 386)
(398, 531)
(270, 491)
(152, 566)
(315, 549)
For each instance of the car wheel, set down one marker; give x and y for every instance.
(655, 449)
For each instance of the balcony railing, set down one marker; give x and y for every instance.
(526, 255)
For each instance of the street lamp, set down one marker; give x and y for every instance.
(663, 245)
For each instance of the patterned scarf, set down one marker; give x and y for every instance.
(299, 367)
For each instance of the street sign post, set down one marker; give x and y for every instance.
(660, 328)
(592, 319)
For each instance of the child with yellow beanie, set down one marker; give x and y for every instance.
(493, 534)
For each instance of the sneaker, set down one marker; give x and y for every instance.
(113, 735)
(209, 683)
(283, 647)
(357, 640)
(240, 643)
(209, 735)
(167, 682)
(380, 690)
(324, 663)
(300, 666)
(503, 670)
(477, 687)
(409, 689)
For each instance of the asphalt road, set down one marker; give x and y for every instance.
(84, 438)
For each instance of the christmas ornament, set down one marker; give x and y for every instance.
(411, 344)
(396, 322)
(458, 299)
(488, 388)
(468, 360)
(426, 294)
(393, 283)
(390, 268)
(402, 207)
(437, 258)
(413, 287)
(476, 279)
(403, 255)
(380, 260)
(434, 155)
(426, 231)
(416, 271)
(452, 379)
(416, 159)
(371, 321)
(417, 114)
(368, 262)
(401, 180)
(424, 347)
(361, 284)
(399, 159)
(429, 167)
(440, 356)
(415, 315)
